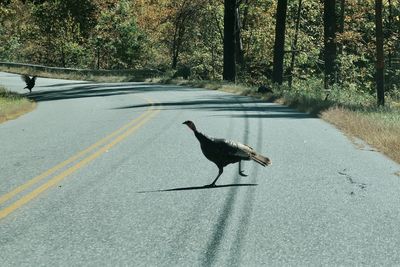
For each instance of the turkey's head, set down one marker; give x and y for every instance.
(191, 125)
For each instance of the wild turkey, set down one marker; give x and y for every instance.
(223, 152)
(30, 82)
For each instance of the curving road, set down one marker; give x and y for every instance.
(106, 174)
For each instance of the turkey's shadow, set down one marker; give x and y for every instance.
(196, 188)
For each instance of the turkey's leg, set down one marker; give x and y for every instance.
(241, 173)
(216, 178)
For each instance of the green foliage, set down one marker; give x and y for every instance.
(118, 40)
(58, 32)
(112, 34)
(204, 54)
(7, 50)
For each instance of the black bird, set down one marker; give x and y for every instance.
(30, 82)
(223, 152)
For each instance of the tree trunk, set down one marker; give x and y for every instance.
(98, 57)
(176, 43)
(184, 13)
(229, 72)
(277, 72)
(329, 42)
(175, 54)
(379, 54)
(62, 56)
(294, 44)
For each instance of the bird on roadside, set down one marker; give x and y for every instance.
(223, 152)
(30, 82)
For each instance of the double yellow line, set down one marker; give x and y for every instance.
(81, 159)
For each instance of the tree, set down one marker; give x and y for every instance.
(62, 28)
(118, 40)
(277, 72)
(181, 22)
(379, 53)
(229, 71)
(183, 14)
(207, 54)
(329, 42)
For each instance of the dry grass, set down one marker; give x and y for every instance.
(13, 105)
(376, 128)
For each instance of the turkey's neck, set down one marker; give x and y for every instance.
(201, 137)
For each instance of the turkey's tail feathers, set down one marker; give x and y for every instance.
(249, 152)
(264, 161)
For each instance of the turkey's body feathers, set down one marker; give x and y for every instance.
(223, 152)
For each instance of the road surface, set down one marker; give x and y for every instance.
(106, 174)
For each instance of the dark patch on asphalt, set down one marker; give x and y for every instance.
(352, 181)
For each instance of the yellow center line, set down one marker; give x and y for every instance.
(47, 173)
(128, 128)
(50, 183)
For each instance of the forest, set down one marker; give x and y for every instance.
(289, 42)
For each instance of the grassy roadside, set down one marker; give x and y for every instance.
(379, 129)
(13, 105)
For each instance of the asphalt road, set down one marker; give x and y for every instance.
(107, 175)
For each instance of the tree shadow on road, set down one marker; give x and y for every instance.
(247, 106)
(86, 90)
(196, 188)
